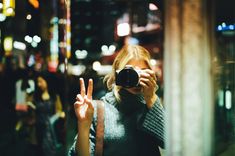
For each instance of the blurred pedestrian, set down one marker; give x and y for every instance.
(48, 110)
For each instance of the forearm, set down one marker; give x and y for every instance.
(82, 144)
(150, 101)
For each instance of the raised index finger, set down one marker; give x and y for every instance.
(90, 89)
(82, 87)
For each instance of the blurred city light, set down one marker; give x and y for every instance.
(19, 45)
(223, 24)
(28, 39)
(107, 51)
(123, 29)
(10, 11)
(29, 17)
(132, 40)
(34, 44)
(112, 48)
(36, 39)
(62, 21)
(77, 69)
(153, 62)
(104, 48)
(31, 61)
(221, 98)
(101, 69)
(96, 65)
(54, 45)
(231, 27)
(52, 65)
(8, 45)
(225, 27)
(54, 20)
(104, 70)
(81, 54)
(228, 99)
(2, 17)
(219, 28)
(152, 7)
(9, 7)
(68, 29)
(34, 3)
(62, 44)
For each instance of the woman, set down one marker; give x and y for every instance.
(134, 123)
(48, 109)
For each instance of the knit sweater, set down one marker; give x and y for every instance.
(130, 128)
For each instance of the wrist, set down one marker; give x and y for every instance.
(150, 101)
(83, 127)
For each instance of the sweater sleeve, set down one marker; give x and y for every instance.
(152, 121)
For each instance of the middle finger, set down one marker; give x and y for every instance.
(82, 87)
(90, 89)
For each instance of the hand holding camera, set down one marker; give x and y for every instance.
(148, 82)
(129, 77)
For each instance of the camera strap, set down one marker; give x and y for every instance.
(99, 128)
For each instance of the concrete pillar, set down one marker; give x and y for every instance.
(188, 85)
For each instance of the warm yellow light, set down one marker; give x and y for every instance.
(9, 7)
(8, 45)
(34, 3)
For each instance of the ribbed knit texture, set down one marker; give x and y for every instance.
(153, 122)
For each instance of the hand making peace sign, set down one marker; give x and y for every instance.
(83, 107)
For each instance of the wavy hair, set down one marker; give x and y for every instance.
(127, 53)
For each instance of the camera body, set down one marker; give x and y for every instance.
(127, 77)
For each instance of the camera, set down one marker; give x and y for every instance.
(127, 77)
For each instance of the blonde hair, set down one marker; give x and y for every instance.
(127, 53)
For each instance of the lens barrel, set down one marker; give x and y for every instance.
(127, 77)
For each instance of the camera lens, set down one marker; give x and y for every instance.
(127, 77)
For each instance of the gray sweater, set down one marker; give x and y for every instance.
(130, 129)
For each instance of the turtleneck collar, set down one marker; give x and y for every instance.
(129, 103)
